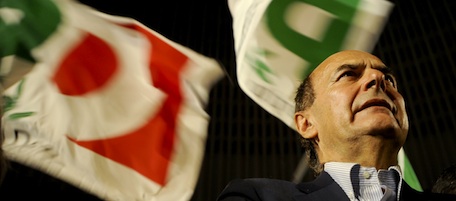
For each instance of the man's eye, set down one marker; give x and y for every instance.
(347, 74)
(391, 80)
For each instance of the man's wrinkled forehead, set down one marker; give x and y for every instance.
(347, 57)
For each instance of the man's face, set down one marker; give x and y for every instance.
(356, 99)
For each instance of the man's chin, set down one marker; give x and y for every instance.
(385, 129)
(386, 133)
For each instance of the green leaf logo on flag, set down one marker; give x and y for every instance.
(9, 102)
(23, 26)
(260, 67)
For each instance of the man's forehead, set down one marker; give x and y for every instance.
(347, 57)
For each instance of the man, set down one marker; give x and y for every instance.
(353, 122)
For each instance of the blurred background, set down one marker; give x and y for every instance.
(243, 141)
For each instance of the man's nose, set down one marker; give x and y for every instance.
(375, 80)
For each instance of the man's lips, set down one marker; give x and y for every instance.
(378, 102)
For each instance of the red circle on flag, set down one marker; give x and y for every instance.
(86, 68)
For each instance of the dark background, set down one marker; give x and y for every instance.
(245, 141)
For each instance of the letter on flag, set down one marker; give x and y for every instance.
(110, 106)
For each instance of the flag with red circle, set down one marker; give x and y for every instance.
(110, 106)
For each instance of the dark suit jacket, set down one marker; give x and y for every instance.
(323, 188)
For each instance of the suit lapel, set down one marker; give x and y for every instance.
(323, 188)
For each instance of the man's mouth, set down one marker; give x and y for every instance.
(378, 102)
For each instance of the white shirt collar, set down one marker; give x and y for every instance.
(364, 183)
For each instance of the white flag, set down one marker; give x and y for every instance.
(111, 106)
(279, 42)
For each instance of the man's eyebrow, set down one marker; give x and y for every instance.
(347, 66)
(382, 68)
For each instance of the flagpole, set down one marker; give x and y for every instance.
(301, 170)
(12, 69)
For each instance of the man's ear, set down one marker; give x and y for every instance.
(304, 125)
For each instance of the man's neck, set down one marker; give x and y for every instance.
(376, 155)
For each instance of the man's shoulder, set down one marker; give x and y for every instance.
(264, 182)
(322, 188)
(258, 189)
